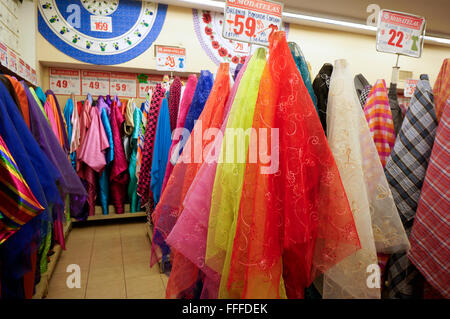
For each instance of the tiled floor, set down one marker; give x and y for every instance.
(115, 263)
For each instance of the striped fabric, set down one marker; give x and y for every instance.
(378, 115)
(405, 171)
(17, 203)
(430, 245)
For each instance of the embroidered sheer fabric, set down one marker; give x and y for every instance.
(374, 211)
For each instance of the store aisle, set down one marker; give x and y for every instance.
(114, 263)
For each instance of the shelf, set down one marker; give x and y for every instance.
(112, 215)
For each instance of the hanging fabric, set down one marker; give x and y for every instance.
(188, 94)
(379, 117)
(441, 89)
(405, 172)
(132, 186)
(144, 182)
(431, 226)
(377, 221)
(174, 101)
(302, 66)
(321, 86)
(396, 111)
(119, 177)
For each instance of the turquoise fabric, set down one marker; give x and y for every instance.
(132, 186)
(163, 141)
(68, 110)
(302, 66)
(104, 177)
(41, 95)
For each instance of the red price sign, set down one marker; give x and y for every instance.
(251, 21)
(410, 87)
(123, 84)
(95, 83)
(3, 55)
(65, 81)
(400, 33)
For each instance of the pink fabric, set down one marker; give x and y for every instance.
(119, 175)
(92, 152)
(51, 118)
(75, 120)
(188, 237)
(182, 113)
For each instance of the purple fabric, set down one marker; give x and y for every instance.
(61, 120)
(69, 183)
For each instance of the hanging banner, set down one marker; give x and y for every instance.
(27, 72)
(3, 55)
(123, 84)
(251, 21)
(33, 77)
(12, 61)
(21, 68)
(101, 32)
(410, 87)
(170, 58)
(65, 81)
(400, 33)
(95, 83)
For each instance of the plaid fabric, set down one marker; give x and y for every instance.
(405, 172)
(379, 117)
(430, 245)
(364, 95)
(441, 88)
(147, 156)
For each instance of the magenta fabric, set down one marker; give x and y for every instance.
(119, 175)
(51, 118)
(183, 111)
(92, 152)
(174, 102)
(149, 141)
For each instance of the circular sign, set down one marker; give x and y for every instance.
(208, 28)
(101, 32)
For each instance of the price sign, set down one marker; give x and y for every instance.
(12, 61)
(33, 77)
(251, 21)
(3, 55)
(400, 33)
(101, 23)
(27, 72)
(95, 83)
(21, 70)
(410, 87)
(170, 58)
(123, 84)
(65, 81)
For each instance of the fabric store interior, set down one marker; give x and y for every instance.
(224, 149)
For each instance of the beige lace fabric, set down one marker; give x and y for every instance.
(377, 220)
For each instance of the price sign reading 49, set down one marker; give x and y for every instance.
(65, 81)
(400, 33)
(251, 21)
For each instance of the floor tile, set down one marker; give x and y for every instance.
(150, 286)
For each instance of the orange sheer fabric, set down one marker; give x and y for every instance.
(294, 224)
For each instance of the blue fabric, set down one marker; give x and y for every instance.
(39, 173)
(302, 66)
(41, 95)
(68, 110)
(104, 177)
(163, 141)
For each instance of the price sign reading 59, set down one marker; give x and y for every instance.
(251, 21)
(400, 33)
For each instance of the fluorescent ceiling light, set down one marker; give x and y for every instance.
(220, 5)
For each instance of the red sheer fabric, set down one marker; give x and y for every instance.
(295, 223)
